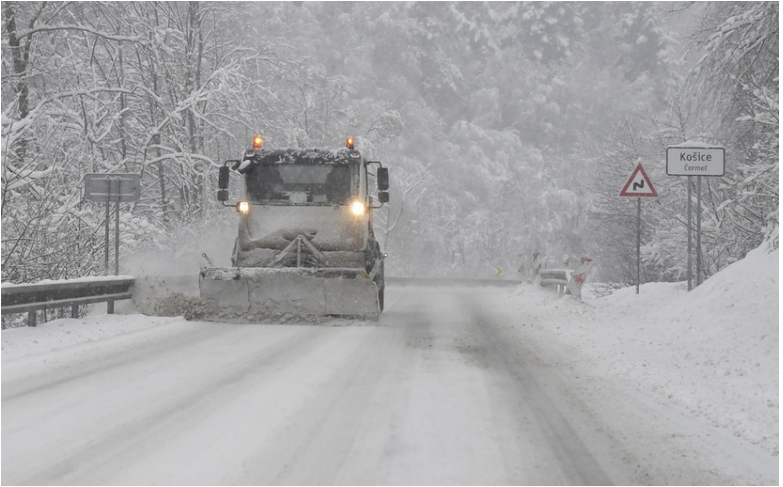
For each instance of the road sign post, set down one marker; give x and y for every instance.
(639, 186)
(695, 159)
(692, 160)
(105, 188)
(112, 187)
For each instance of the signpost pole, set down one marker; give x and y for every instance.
(638, 243)
(690, 231)
(101, 188)
(117, 232)
(109, 303)
(695, 159)
(698, 230)
(639, 185)
(106, 257)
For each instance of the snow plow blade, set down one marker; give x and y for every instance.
(295, 291)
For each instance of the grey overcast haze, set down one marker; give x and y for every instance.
(509, 130)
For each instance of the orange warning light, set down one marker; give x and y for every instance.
(349, 142)
(257, 142)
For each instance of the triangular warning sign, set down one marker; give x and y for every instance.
(639, 184)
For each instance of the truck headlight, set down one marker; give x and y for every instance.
(243, 207)
(358, 208)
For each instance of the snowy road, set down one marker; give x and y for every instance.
(441, 391)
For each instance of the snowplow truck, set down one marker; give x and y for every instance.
(306, 245)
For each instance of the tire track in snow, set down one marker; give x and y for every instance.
(574, 457)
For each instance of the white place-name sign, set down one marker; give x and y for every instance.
(695, 161)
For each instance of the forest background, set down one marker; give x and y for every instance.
(508, 127)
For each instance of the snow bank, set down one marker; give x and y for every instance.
(712, 352)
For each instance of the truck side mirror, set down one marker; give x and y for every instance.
(383, 179)
(223, 177)
(383, 196)
(222, 194)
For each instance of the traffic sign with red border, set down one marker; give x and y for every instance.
(639, 185)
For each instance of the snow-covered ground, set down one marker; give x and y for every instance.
(713, 352)
(673, 387)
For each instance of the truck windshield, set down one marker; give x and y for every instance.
(300, 183)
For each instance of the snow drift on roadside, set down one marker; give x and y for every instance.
(713, 352)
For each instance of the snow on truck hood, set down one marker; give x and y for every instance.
(329, 228)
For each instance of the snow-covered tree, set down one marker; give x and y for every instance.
(507, 127)
(737, 80)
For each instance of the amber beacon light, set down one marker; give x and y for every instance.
(258, 141)
(349, 142)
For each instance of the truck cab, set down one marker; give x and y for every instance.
(308, 209)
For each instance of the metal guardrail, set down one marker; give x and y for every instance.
(29, 298)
